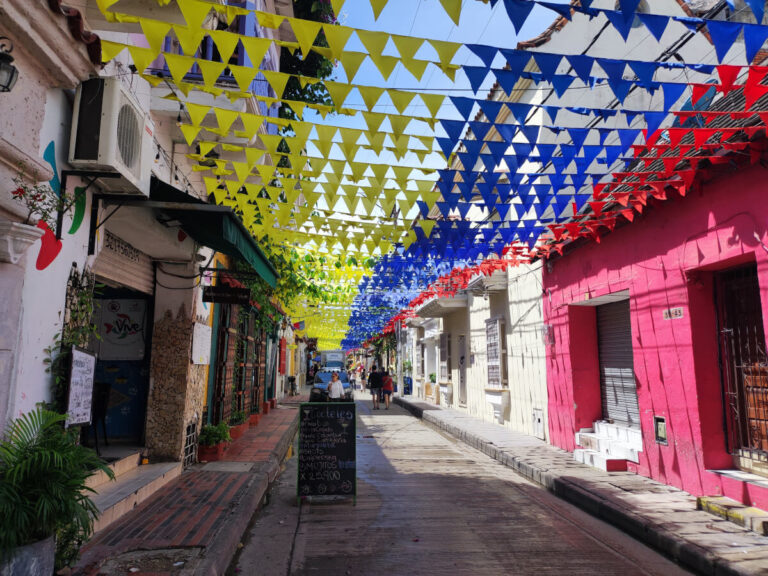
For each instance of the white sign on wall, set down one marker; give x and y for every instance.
(80, 388)
(201, 344)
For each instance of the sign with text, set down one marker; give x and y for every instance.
(673, 313)
(224, 294)
(122, 327)
(81, 375)
(327, 459)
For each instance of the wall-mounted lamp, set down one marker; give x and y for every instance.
(8, 72)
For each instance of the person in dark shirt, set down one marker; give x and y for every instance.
(375, 382)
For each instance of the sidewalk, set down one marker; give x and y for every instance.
(658, 515)
(192, 526)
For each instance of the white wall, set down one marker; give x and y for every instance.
(525, 347)
(44, 290)
(521, 308)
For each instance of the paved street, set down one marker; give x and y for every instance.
(428, 504)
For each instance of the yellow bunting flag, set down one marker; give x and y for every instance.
(211, 70)
(189, 38)
(190, 133)
(445, 50)
(244, 76)
(110, 49)
(374, 42)
(453, 9)
(337, 37)
(433, 102)
(225, 42)
(338, 92)
(195, 13)
(277, 81)
(371, 95)
(197, 113)
(269, 20)
(406, 45)
(373, 120)
(415, 67)
(351, 62)
(377, 6)
(385, 64)
(305, 31)
(225, 118)
(155, 33)
(178, 66)
(256, 48)
(142, 57)
(401, 100)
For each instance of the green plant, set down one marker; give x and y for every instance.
(78, 329)
(42, 483)
(433, 377)
(42, 203)
(211, 435)
(237, 417)
(407, 365)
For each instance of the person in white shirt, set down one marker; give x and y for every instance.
(335, 388)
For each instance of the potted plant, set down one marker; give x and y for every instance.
(433, 377)
(42, 205)
(238, 422)
(212, 442)
(253, 419)
(43, 492)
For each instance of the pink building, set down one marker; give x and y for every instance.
(656, 357)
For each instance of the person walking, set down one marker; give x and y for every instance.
(335, 388)
(387, 388)
(375, 383)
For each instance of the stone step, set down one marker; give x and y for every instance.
(114, 499)
(631, 436)
(600, 461)
(751, 518)
(607, 446)
(118, 467)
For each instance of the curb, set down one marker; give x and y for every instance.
(216, 560)
(686, 553)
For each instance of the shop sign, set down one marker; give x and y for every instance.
(122, 329)
(224, 294)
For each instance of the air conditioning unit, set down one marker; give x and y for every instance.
(111, 133)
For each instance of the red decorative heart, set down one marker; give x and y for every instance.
(50, 248)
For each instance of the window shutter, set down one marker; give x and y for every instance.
(445, 357)
(495, 352)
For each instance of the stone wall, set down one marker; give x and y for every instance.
(173, 385)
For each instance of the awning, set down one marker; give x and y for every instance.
(216, 227)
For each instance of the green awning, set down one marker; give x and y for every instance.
(214, 226)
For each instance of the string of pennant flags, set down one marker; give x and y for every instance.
(472, 185)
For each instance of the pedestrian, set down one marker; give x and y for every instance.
(375, 383)
(335, 388)
(388, 387)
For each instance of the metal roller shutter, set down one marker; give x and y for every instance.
(121, 263)
(618, 388)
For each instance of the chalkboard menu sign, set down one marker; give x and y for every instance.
(80, 387)
(327, 461)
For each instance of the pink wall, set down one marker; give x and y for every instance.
(665, 260)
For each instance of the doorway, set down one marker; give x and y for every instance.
(121, 383)
(618, 388)
(462, 353)
(743, 362)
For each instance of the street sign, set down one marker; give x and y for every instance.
(224, 294)
(327, 449)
